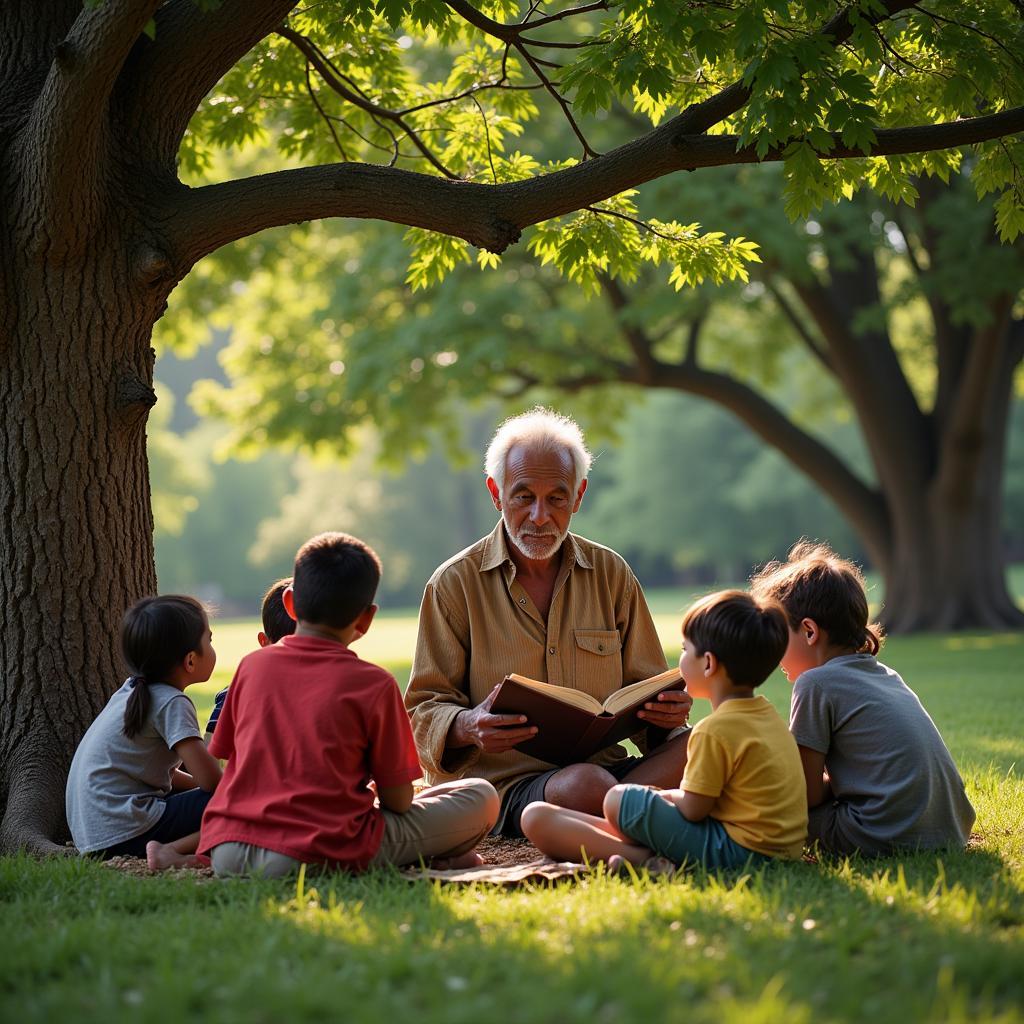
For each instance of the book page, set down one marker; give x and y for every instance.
(637, 693)
(563, 694)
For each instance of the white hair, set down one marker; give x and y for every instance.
(539, 429)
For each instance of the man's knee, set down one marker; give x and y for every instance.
(477, 796)
(581, 787)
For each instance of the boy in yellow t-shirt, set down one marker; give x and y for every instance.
(742, 797)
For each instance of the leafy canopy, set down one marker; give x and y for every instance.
(501, 91)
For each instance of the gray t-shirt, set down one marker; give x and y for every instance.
(116, 785)
(893, 779)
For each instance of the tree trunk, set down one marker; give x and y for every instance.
(76, 534)
(949, 572)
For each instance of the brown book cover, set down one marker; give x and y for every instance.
(573, 725)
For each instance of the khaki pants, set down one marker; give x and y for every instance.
(443, 821)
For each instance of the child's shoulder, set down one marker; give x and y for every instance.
(848, 668)
(375, 675)
(162, 694)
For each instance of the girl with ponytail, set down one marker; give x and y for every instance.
(127, 793)
(879, 777)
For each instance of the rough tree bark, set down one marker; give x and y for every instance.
(96, 230)
(75, 367)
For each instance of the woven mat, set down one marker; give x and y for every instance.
(542, 870)
(508, 862)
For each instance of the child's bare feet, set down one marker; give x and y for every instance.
(656, 867)
(161, 856)
(459, 863)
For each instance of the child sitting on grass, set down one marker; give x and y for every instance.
(878, 776)
(307, 726)
(276, 624)
(741, 799)
(125, 793)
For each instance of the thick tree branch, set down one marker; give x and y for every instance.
(65, 135)
(492, 216)
(488, 216)
(192, 50)
(863, 506)
(718, 150)
(201, 220)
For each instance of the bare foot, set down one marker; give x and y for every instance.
(161, 856)
(459, 863)
(656, 867)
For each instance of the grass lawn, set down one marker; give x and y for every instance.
(936, 938)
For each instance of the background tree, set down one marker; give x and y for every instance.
(908, 318)
(96, 227)
(733, 503)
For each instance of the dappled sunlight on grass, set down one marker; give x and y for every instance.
(926, 937)
(984, 642)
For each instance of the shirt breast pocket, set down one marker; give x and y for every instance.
(598, 667)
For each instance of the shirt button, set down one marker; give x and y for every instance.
(551, 650)
(600, 647)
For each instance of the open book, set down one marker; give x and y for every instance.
(573, 725)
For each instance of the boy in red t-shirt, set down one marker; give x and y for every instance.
(307, 726)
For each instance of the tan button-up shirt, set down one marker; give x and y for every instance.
(477, 624)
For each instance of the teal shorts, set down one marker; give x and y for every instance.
(648, 819)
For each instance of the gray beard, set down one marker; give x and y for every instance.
(531, 552)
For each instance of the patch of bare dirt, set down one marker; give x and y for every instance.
(137, 866)
(508, 853)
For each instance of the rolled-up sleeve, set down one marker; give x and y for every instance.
(438, 686)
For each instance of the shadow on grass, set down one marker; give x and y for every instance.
(927, 937)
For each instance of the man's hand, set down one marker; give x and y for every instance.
(669, 711)
(493, 734)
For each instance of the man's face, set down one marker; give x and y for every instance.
(537, 499)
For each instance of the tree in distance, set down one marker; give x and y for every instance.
(870, 306)
(397, 110)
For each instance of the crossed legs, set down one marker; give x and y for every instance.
(566, 834)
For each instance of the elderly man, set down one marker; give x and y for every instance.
(532, 598)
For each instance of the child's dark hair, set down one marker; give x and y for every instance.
(815, 583)
(156, 635)
(276, 621)
(748, 636)
(335, 579)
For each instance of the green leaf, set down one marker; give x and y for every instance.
(1009, 209)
